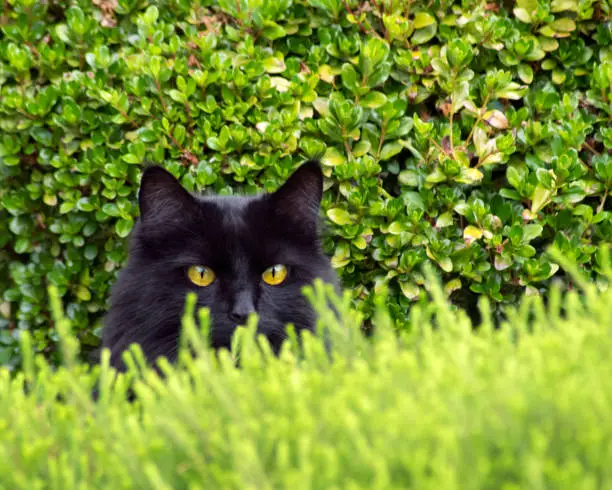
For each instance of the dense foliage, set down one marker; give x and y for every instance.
(526, 406)
(469, 134)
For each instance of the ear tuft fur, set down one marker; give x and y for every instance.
(161, 193)
(299, 198)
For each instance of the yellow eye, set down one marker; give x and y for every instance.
(275, 275)
(200, 275)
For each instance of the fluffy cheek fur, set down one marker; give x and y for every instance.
(144, 310)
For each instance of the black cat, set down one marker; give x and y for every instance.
(239, 254)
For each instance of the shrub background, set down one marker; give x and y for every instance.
(467, 134)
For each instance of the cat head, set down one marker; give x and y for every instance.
(239, 254)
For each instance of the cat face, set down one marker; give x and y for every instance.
(238, 254)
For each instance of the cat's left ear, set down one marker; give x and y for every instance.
(161, 195)
(299, 198)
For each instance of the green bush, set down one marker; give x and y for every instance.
(526, 406)
(469, 134)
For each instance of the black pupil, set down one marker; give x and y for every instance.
(273, 272)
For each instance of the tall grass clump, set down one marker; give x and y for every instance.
(441, 406)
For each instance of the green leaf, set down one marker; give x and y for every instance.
(340, 216)
(321, 105)
(410, 290)
(564, 5)
(151, 15)
(522, 15)
(42, 135)
(564, 24)
(541, 197)
(373, 54)
(525, 9)
(85, 204)
(526, 251)
(397, 26)
(409, 178)
(559, 76)
(396, 228)
(333, 157)
(516, 174)
(177, 96)
(423, 19)
(63, 33)
(111, 209)
(512, 91)
(460, 95)
(131, 158)
(502, 262)
(389, 150)
(91, 251)
(280, 84)
(531, 231)
(342, 254)
(546, 178)
(492, 158)
(179, 133)
(215, 143)
(423, 128)
(350, 77)
(274, 64)
(66, 207)
(446, 264)
(469, 176)
(413, 199)
(525, 73)
(459, 53)
(313, 148)
(82, 293)
(155, 66)
(480, 141)
(147, 135)
(471, 233)
(361, 148)
(373, 100)
(50, 199)
(327, 73)
(452, 286)
(272, 30)
(123, 227)
(20, 225)
(421, 36)
(444, 220)
(22, 245)
(436, 176)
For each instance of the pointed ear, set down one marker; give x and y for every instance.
(160, 194)
(299, 198)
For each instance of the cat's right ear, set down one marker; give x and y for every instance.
(160, 194)
(299, 198)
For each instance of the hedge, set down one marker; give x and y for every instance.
(470, 135)
(523, 406)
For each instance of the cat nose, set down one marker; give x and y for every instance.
(243, 306)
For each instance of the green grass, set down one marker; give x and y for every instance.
(440, 407)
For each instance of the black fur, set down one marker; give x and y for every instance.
(238, 238)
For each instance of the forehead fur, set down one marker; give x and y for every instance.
(231, 208)
(226, 233)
